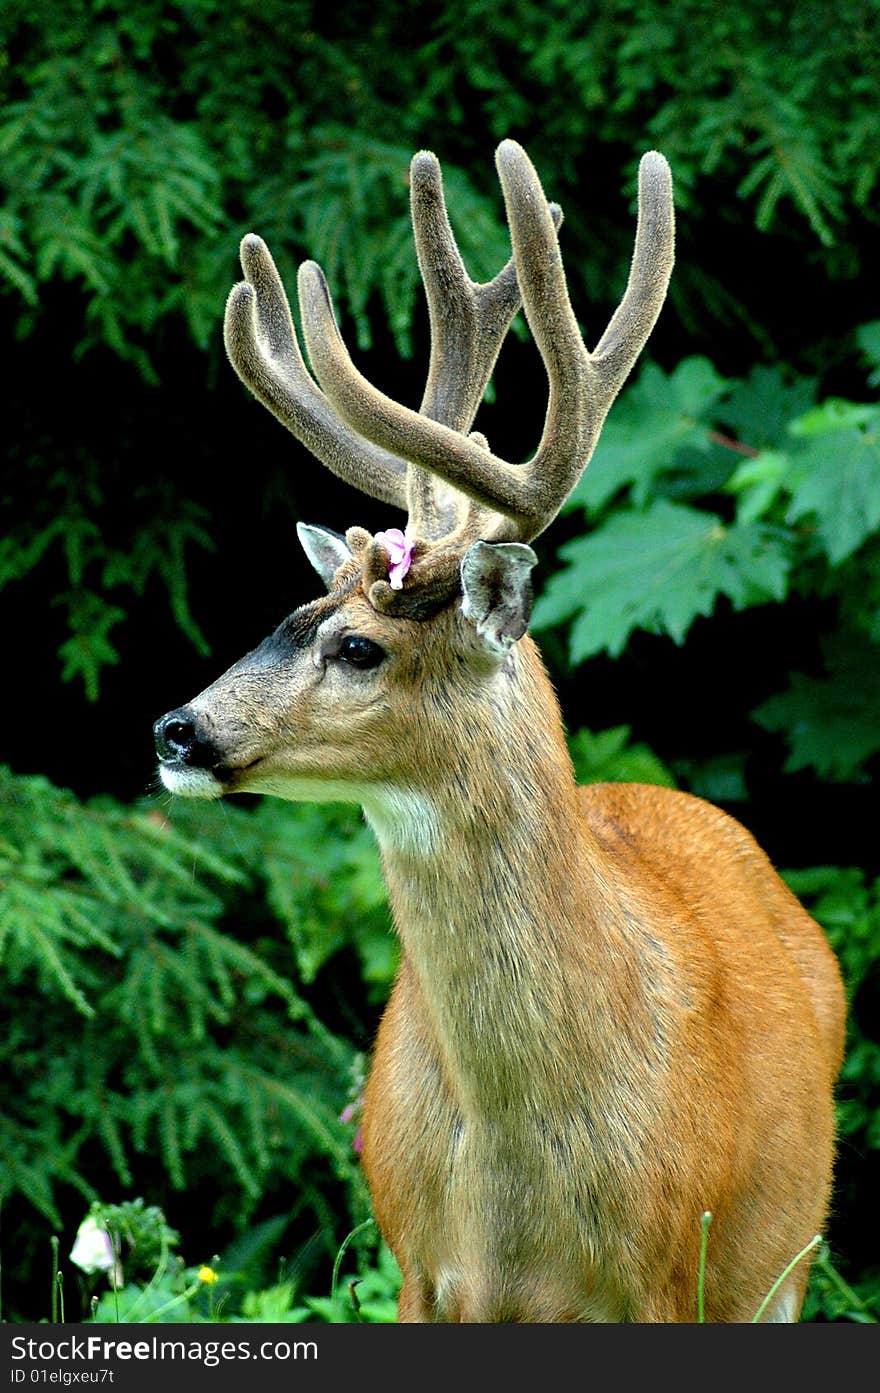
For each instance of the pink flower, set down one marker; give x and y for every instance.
(351, 1113)
(400, 550)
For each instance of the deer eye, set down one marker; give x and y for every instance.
(360, 652)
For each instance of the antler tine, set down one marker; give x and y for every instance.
(651, 268)
(468, 320)
(468, 324)
(581, 390)
(262, 346)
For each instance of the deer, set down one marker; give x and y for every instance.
(611, 1015)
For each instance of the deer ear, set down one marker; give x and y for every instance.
(496, 583)
(326, 550)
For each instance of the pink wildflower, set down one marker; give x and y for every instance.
(400, 550)
(351, 1113)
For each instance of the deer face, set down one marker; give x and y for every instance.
(335, 703)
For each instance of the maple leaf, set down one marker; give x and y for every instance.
(836, 479)
(658, 569)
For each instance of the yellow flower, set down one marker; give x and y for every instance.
(207, 1274)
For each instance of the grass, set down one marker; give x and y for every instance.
(207, 1294)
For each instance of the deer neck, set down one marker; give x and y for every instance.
(505, 908)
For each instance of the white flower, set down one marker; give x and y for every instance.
(92, 1250)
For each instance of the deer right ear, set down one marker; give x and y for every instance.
(326, 550)
(496, 584)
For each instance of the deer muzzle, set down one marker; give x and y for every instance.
(190, 760)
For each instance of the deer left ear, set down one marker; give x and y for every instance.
(496, 583)
(326, 550)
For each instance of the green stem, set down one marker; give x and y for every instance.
(54, 1242)
(116, 1246)
(352, 1291)
(813, 1243)
(161, 1267)
(169, 1305)
(705, 1221)
(339, 1256)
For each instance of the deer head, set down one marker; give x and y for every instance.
(333, 704)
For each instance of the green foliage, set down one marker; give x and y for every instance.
(174, 1296)
(831, 473)
(868, 340)
(676, 407)
(832, 722)
(650, 562)
(109, 186)
(806, 520)
(831, 1298)
(169, 1291)
(848, 908)
(369, 1295)
(140, 1235)
(348, 207)
(610, 755)
(658, 570)
(70, 525)
(330, 901)
(847, 905)
(136, 145)
(173, 1027)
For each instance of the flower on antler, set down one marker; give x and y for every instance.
(400, 553)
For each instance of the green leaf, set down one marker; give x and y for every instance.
(89, 648)
(758, 482)
(656, 419)
(831, 723)
(609, 756)
(719, 778)
(658, 570)
(837, 481)
(759, 408)
(19, 277)
(834, 414)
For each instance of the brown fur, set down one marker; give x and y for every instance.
(611, 1014)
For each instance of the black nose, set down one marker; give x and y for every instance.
(180, 737)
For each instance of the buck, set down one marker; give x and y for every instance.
(611, 1014)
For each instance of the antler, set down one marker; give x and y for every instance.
(582, 385)
(468, 324)
(456, 491)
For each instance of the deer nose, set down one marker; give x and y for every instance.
(180, 738)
